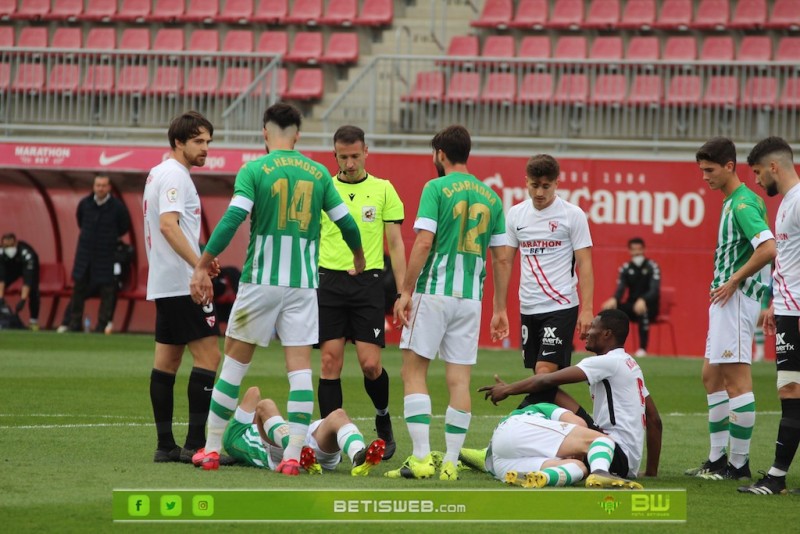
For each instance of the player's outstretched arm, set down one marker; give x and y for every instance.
(500, 390)
(654, 432)
(416, 261)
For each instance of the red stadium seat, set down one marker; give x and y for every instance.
(571, 47)
(684, 90)
(606, 47)
(536, 88)
(29, 78)
(646, 90)
(66, 37)
(133, 11)
(273, 43)
(204, 41)
(271, 11)
(32, 37)
(236, 12)
(712, 15)
(643, 48)
(205, 11)
(100, 10)
(755, 48)
(675, 14)
(340, 13)
(307, 84)
(609, 89)
(101, 39)
(680, 49)
(717, 48)
(785, 15)
(749, 14)
(788, 49)
(342, 49)
(495, 14)
(572, 89)
(168, 81)
(167, 11)
(307, 12)
(169, 40)
(428, 86)
(638, 14)
(722, 91)
(64, 79)
(7, 8)
(534, 47)
(32, 9)
(501, 46)
(68, 10)
(133, 80)
(760, 92)
(461, 45)
(238, 41)
(265, 85)
(99, 79)
(531, 14)
(376, 13)
(603, 14)
(202, 81)
(567, 14)
(6, 36)
(500, 88)
(790, 96)
(306, 48)
(135, 39)
(464, 87)
(5, 77)
(235, 81)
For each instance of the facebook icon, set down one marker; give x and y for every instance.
(138, 505)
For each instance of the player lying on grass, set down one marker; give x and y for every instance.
(623, 408)
(258, 434)
(545, 445)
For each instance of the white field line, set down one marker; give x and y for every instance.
(126, 421)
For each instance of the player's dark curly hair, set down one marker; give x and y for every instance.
(187, 126)
(719, 150)
(769, 146)
(348, 135)
(617, 322)
(455, 142)
(542, 166)
(284, 115)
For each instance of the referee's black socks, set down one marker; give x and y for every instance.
(329, 395)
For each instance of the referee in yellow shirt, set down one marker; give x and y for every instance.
(352, 307)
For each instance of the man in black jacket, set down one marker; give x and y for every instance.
(641, 278)
(18, 259)
(102, 219)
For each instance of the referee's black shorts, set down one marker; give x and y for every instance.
(351, 307)
(179, 320)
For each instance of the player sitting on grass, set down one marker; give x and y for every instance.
(623, 408)
(258, 434)
(542, 445)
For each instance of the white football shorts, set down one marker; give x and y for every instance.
(730, 330)
(260, 309)
(523, 443)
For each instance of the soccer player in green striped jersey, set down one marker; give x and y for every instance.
(284, 192)
(745, 248)
(459, 218)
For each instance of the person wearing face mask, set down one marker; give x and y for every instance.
(18, 259)
(640, 278)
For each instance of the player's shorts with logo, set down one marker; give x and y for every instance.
(447, 325)
(179, 320)
(351, 306)
(787, 342)
(547, 337)
(260, 309)
(731, 328)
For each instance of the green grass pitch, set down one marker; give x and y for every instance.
(75, 422)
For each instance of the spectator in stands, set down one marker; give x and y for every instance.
(640, 278)
(18, 259)
(102, 220)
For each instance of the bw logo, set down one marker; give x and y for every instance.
(650, 503)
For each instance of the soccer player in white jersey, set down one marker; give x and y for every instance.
(771, 160)
(459, 220)
(172, 241)
(745, 248)
(284, 193)
(623, 408)
(554, 242)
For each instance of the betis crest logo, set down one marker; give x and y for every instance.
(609, 504)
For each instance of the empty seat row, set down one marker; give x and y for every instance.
(607, 89)
(309, 12)
(30, 78)
(639, 14)
(640, 48)
(306, 47)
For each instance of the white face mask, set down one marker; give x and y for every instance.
(637, 260)
(10, 251)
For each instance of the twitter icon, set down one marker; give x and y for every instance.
(171, 505)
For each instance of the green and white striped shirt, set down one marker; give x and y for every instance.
(742, 227)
